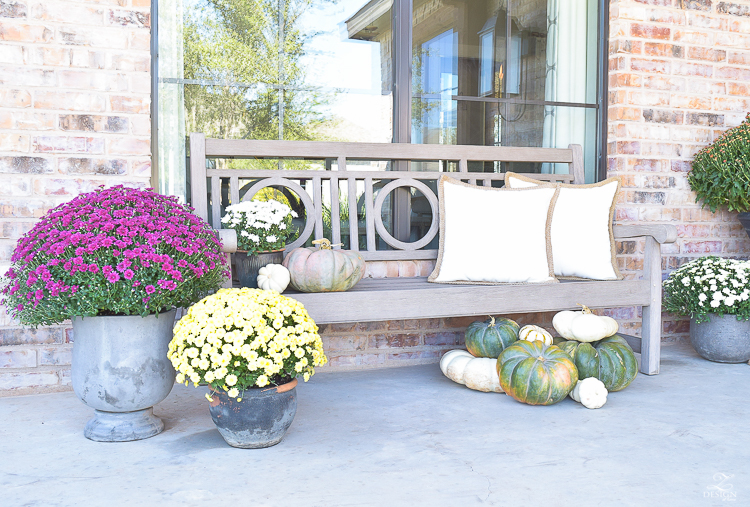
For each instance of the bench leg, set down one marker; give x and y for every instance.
(651, 324)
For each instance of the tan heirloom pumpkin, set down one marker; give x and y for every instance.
(322, 269)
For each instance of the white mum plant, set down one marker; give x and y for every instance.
(709, 285)
(262, 226)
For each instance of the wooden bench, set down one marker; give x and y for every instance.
(415, 298)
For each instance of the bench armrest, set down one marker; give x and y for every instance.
(662, 233)
(228, 239)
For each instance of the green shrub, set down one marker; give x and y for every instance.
(721, 171)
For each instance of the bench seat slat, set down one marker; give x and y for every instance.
(415, 298)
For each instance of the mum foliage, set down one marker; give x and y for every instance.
(116, 251)
(237, 339)
(720, 175)
(709, 285)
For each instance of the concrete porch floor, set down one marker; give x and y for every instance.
(405, 436)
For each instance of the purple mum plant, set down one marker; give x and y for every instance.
(115, 251)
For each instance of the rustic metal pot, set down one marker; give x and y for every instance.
(724, 339)
(120, 369)
(257, 418)
(248, 265)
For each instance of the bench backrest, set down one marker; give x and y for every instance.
(315, 181)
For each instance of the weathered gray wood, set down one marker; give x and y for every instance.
(399, 255)
(199, 189)
(633, 341)
(396, 300)
(381, 175)
(318, 202)
(378, 207)
(576, 166)
(662, 233)
(216, 202)
(335, 218)
(651, 324)
(413, 298)
(369, 215)
(353, 221)
(316, 150)
(234, 189)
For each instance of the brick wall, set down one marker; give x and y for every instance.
(74, 114)
(678, 77)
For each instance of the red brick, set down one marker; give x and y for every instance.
(407, 269)
(623, 79)
(651, 66)
(12, 54)
(22, 336)
(690, 102)
(675, 84)
(124, 104)
(94, 123)
(733, 73)
(25, 33)
(14, 230)
(92, 166)
(341, 343)
(65, 187)
(691, 37)
(443, 338)
(32, 121)
(23, 380)
(648, 98)
(732, 40)
(25, 358)
(14, 98)
(702, 247)
(129, 62)
(69, 101)
(25, 165)
(731, 104)
(128, 146)
(95, 37)
(65, 144)
(663, 116)
(649, 31)
(67, 12)
(694, 230)
(706, 87)
(381, 341)
(692, 69)
(24, 208)
(713, 55)
(738, 89)
(706, 21)
(129, 18)
(739, 58)
(625, 113)
(628, 147)
(662, 49)
(140, 40)
(625, 46)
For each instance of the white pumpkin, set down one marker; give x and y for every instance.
(590, 392)
(478, 373)
(584, 326)
(273, 277)
(533, 333)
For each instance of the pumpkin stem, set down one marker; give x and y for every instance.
(585, 309)
(492, 321)
(325, 244)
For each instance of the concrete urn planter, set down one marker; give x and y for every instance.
(723, 340)
(257, 418)
(120, 369)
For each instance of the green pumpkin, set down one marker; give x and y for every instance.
(535, 373)
(611, 360)
(489, 338)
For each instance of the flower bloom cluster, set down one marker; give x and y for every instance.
(237, 339)
(262, 226)
(709, 285)
(116, 251)
(720, 174)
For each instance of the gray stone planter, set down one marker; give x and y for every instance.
(260, 419)
(724, 339)
(120, 369)
(248, 265)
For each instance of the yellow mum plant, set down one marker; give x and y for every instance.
(237, 339)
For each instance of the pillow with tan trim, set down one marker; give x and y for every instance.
(583, 245)
(484, 239)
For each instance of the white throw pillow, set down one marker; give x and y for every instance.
(583, 245)
(491, 235)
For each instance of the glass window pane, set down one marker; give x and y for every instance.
(271, 69)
